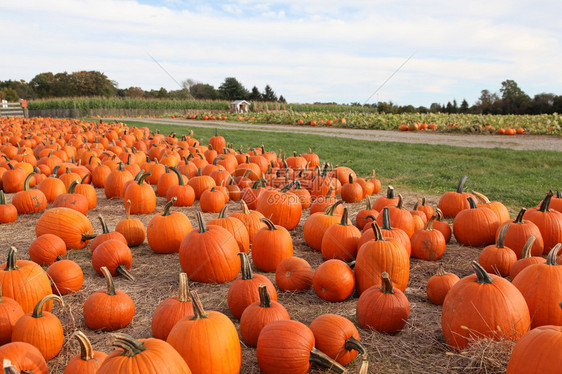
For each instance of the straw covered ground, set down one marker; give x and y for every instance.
(419, 348)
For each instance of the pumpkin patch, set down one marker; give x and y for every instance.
(290, 254)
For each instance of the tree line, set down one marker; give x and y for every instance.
(95, 83)
(510, 99)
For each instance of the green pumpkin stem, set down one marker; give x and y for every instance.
(353, 344)
(38, 310)
(168, 206)
(58, 258)
(121, 269)
(325, 361)
(333, 207)
(180, 177)
(130, 346)
(86, 349)
(27, 179)
(198, 311)
(553, 254)
(11, 262)
(462, 181)
(245, 267)
(2, 198)
(143, 177)
(287, 187)
(519, 218)
(83, 180)
(527, 247)
(183, 295)
(344, 218)
(482, 276)
(386, 285)
(270, 225)
(222, 213)
(265, 299)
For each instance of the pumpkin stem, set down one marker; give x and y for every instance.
(400, 202)
(72, 187)
(198, 311)
(553, 254)
(441, 270)
(386, 219)
(168, 206)
(121, 269)
(222, 213)
(128, 344)
(287, 187)
(364, 368)
(429, 224)
(482, 276)
(245, 267)
(462, 181)
(2, 198)
(270, 225)
(11, 262)
(439, 214)
(390, 192)
(27, 179)
(108, 281)
(265, 299)
(200, 223)
(378, 232)
(38, 310)
(483, 199)
(143, 177)
(352, 343)
(244, 206)
(59, 257)
(324, 360)
(386, 286)
(184, 289)
(519, 218)
(546, 202)
(180, 177)
(86, 349)
(104, 227)
(332, 208)
(527, 247)
(501, 236)
(472, 203)
(128, 209)
(344, 220)
(368, 204)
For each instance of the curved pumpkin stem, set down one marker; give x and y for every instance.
(501, 236)
(344, 219)
(198, 311)
(333, 207)
(462, 181)
(519, 218)
(400, 202)
(482, 276)
(527, 247)
(325, 361)
(104, 227)
(483, 199)
(472, 203)
(72, 186)
(143, 177)
(386, 286)
(429, 224)
(222, 213)
(11, 262)
(86, 349)
(178, 174)
(2, 198)
(245, 267)
(244, 206)
(553, 254)
(38, 310)
(439, 214)
(121, 269)
(265, 299)
(353, 344)
(108, 281)
(270, 225)
(368, 204)
(168, 206)
(26, 182)
(378, 233)
(183, 295)
(128, 344)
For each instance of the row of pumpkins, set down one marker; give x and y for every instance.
(371, 257)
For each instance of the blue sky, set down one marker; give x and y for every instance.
(316, 50)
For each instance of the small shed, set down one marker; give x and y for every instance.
(239, 106)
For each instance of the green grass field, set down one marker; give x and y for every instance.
(516, 178)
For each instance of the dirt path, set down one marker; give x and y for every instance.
(520, 142)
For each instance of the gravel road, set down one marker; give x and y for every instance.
(520, 142)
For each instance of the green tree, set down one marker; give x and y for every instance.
(43, 84)
(255, 95)
(464, 106)
(282, 99)
(9, 94)
(231, 89)
(543, 103)
(514, 100)
(269, 94)
(202, 91)
(487, 103)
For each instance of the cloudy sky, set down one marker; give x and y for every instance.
(306, 50)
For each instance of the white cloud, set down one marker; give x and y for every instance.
(308, 51)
